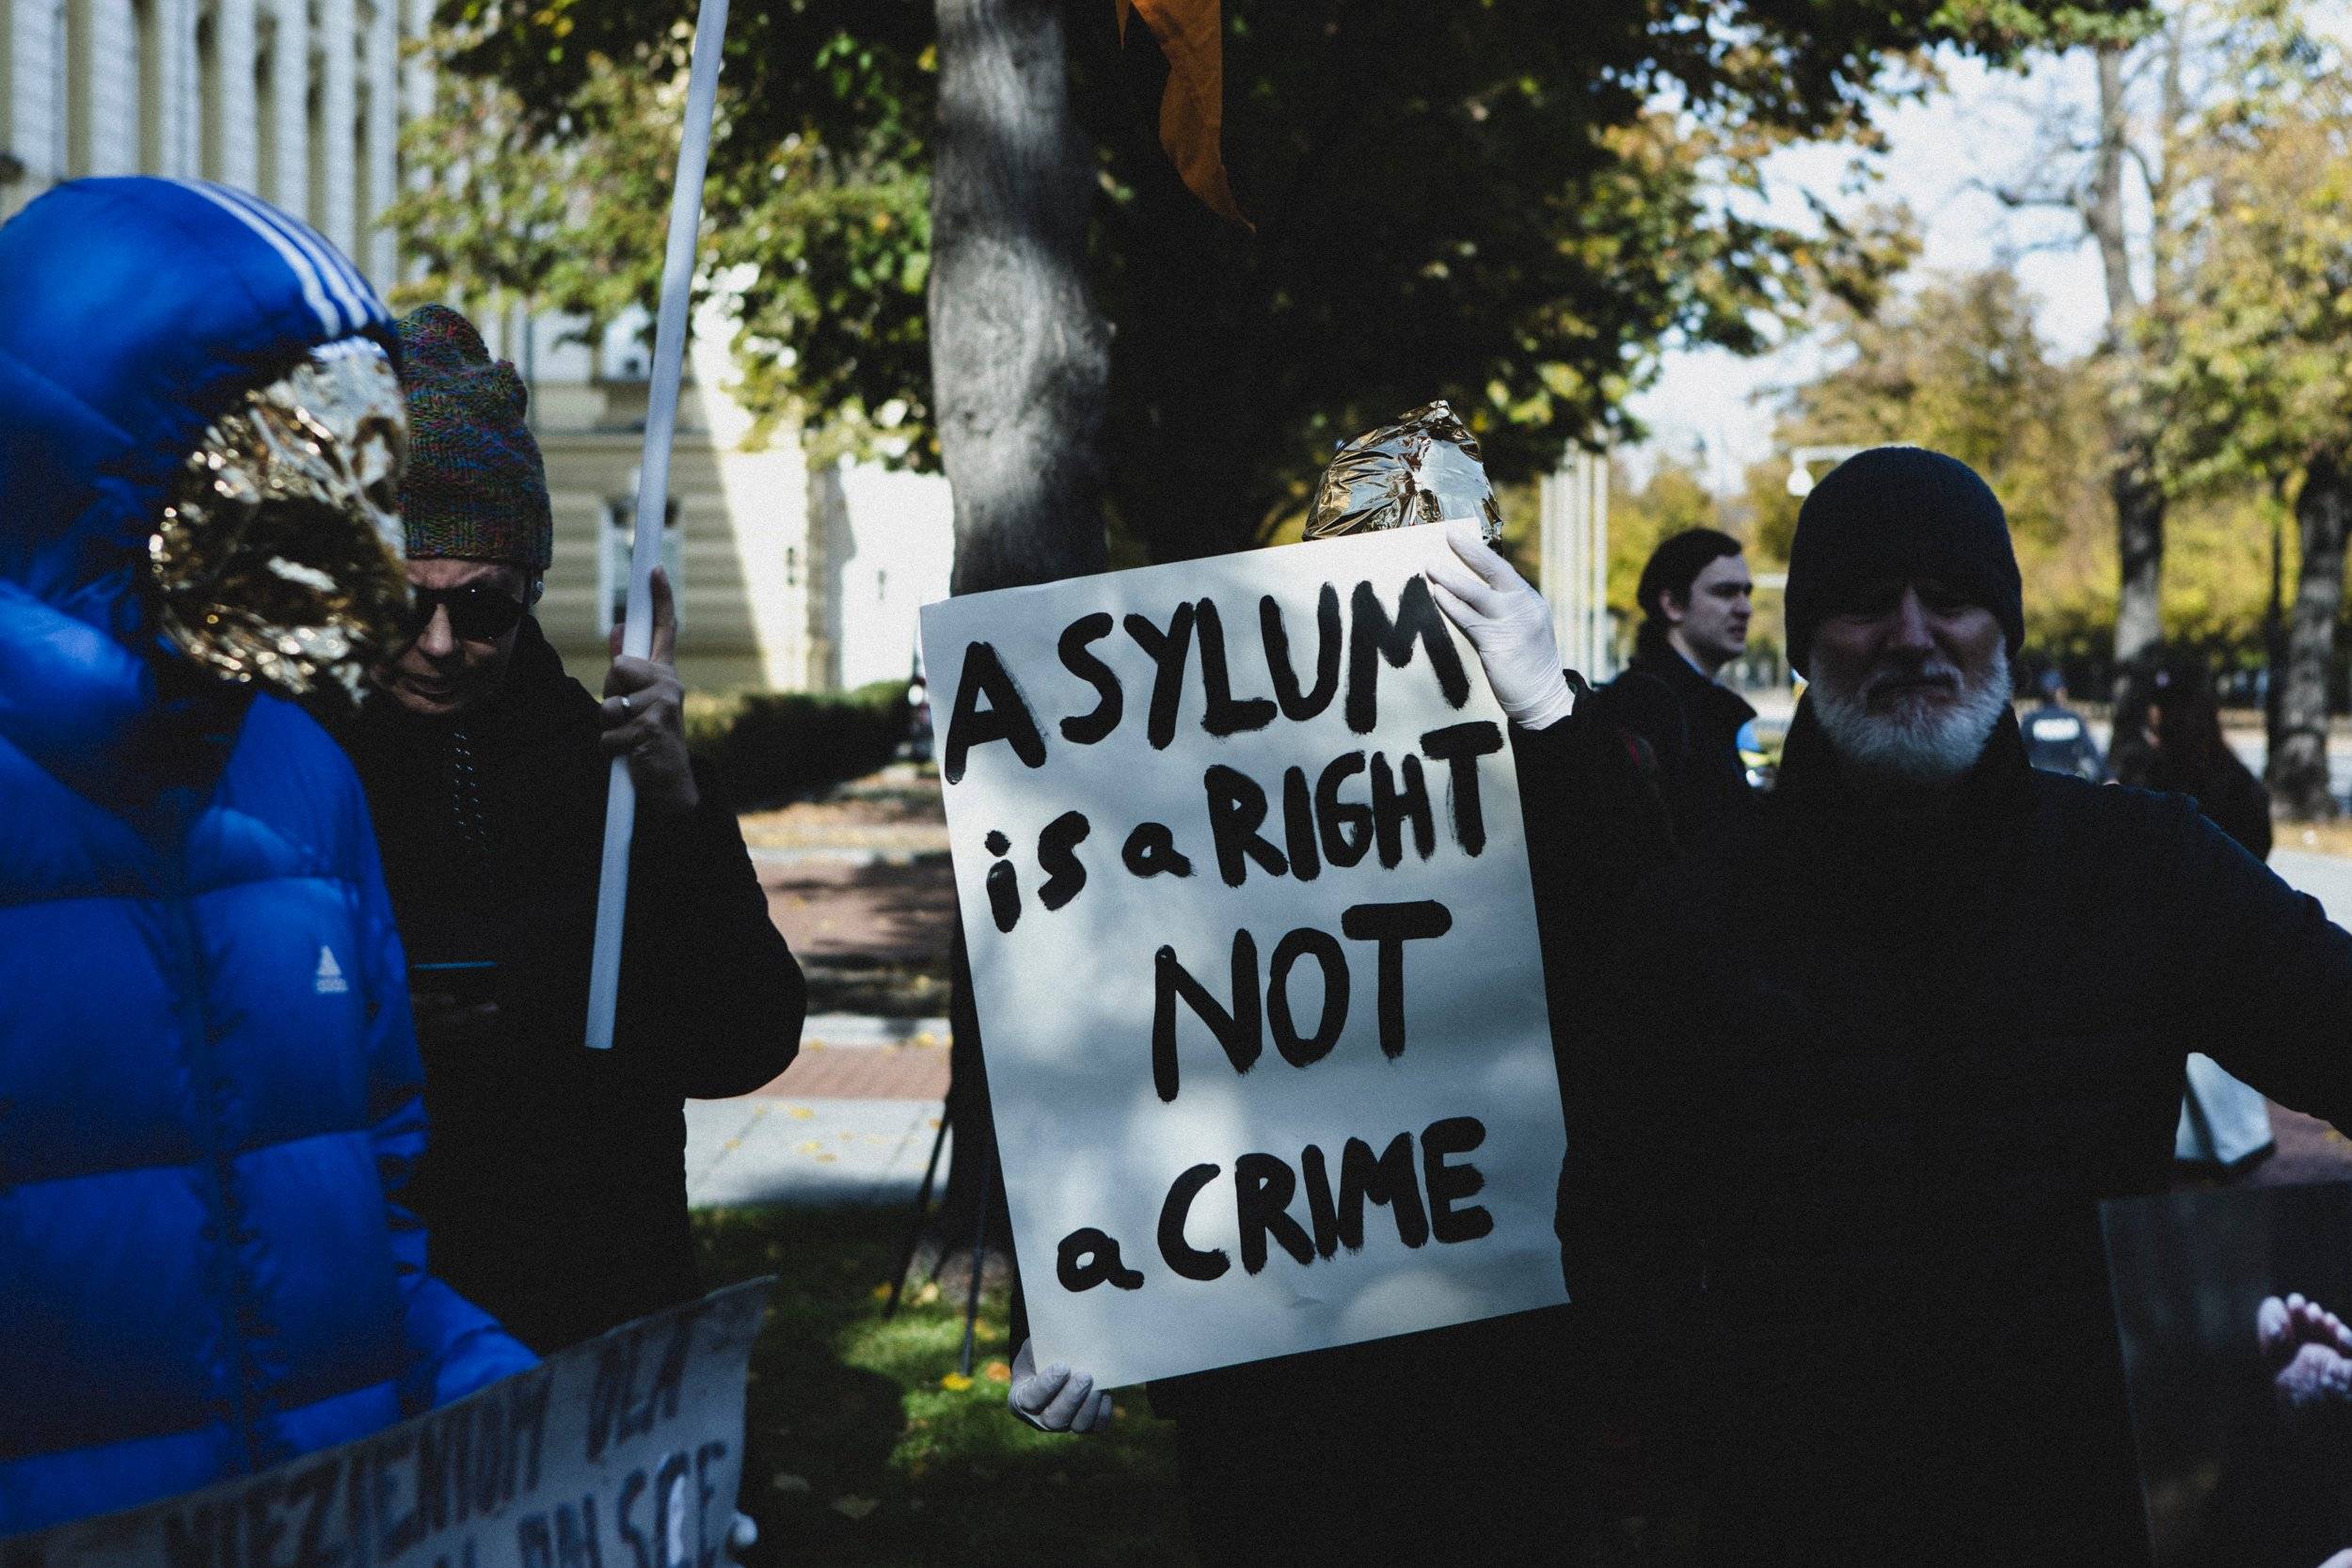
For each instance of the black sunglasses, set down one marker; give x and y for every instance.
(476, 613)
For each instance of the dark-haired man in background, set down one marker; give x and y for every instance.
(1694, 595)
(556, 1178)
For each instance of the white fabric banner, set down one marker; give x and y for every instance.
(621, 1452)
(1254, 945)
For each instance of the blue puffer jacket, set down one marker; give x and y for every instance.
(208, 1078)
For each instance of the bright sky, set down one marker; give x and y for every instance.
(1979, 130)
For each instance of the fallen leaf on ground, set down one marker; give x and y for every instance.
(855, 1508)
(997, 1371)
(783, 1482)
(955, 1383)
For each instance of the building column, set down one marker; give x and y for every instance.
(339, 122)
(290, 72)
(108, 80)
(234, 38)
(382, 258)
(415, 100)
(24, 130)
(176, 34)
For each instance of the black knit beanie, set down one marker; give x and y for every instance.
(476, 487)
(1902, 512)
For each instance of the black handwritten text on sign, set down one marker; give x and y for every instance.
(622, 1453)
(1200, 811)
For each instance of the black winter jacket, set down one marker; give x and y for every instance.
(554, 1182)
(1839, 1172)
(1460, 1444)
(1691, 727)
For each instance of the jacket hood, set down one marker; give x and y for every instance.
(134, 312)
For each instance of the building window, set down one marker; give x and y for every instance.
(362, 179)
(265, 110)
(791, 567)
(147, 40)
(210, 93)
(64, 45)
(620, 532)
(315, 138)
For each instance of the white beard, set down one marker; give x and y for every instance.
(1916, 744)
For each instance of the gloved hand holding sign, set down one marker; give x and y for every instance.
(1057, 1399)
(1506, 621)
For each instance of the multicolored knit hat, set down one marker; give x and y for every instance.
(475, 488)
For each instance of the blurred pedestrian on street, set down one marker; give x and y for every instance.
(2056, 738)
(556, 1180)
(2168, 738)
(209, 1104)
(1696, 598)
(2172, 716)
(1841, 1176)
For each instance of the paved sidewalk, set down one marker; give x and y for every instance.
(861, 888)
(851, 1121)
(2325, 877)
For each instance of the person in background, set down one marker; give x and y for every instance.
(2168, 729)
(557, 1177)
(2168, 738)
(208, 1087)
(1694, 595)
(2057, 739)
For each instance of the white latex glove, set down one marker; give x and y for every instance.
(741, 1537)
(1057, 1399)
(1506, 621)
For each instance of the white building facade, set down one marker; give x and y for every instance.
(784, 583)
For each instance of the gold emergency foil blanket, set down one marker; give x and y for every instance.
(278, 561)
(1422, 470)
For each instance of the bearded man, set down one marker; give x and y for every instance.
(1835, 1184)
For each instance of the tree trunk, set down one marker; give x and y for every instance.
(2298, 742)
(2139, 539)
(1020, 355)
(2131, 473)
(1020, 362)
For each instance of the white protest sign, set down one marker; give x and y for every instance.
(621, 1452)
(1245, 884)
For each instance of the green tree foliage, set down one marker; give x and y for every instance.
(1512, 204)
(1674, 498)
(1960, 366)
(2261, 375)
(2262, 371)
(563, 214)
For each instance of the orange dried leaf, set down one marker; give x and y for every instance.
(1192, 110)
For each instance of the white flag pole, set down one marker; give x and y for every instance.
(653, 494)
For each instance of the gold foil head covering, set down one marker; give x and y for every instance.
(1420, 469)
(278, 558)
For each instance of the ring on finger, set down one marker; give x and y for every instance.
(625, 702)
